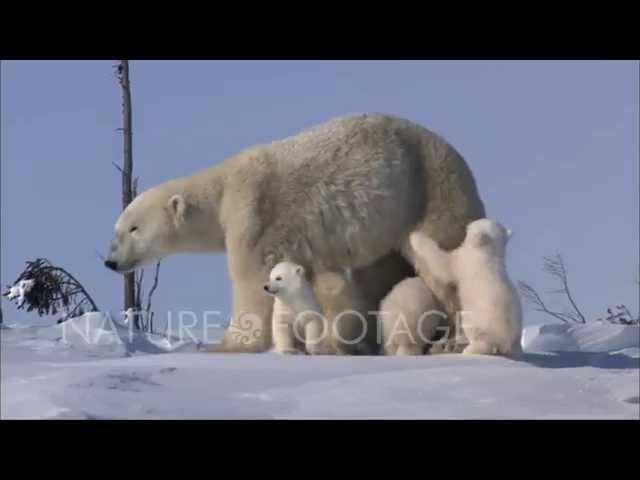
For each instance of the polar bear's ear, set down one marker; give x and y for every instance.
(299, 270)
(177, 207)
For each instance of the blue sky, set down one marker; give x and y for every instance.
(553, 145)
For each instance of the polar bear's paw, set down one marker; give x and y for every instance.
(290, 351)
(321, 349)
(479, 348)
(409, 350)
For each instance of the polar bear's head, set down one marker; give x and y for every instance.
(286, 281)
(158, 223)
(488, 234)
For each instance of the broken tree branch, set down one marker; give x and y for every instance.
(555, 266)
(127, 167)
(153, 287)
(529, 293)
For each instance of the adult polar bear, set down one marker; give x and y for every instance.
(344, 194)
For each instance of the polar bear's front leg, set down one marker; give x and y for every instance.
(252, 311)
(250, 327)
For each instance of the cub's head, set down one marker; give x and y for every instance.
(286, 280)
(154, 225)
(487, 234)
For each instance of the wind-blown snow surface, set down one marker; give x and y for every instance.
(89, 372)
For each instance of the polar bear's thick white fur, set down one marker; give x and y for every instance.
(344, 194)
(298, 318)
(491, 308)
(410, 316)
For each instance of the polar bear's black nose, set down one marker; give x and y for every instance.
(111, 264)
(266, 288)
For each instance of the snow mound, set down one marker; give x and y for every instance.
(98, 335)
(92, 368)
(593, 337)
(89, 330)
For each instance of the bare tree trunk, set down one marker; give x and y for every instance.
(127, 172)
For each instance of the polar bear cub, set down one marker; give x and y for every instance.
(492, 312)
(298, 322)
(410, 315)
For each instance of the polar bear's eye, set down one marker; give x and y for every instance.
(133, 229)
(278, 279)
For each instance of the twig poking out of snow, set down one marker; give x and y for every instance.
(555, 267)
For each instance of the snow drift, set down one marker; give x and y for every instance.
(95, 368)
(589, 337)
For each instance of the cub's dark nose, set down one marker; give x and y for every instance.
(266, 288)
(111, 264)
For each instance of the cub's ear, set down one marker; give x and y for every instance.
(300, 271)
(176, 207)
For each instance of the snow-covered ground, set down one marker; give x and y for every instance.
(84, 370)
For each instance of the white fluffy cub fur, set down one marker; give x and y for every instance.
(409, 315)
(491, 309)
(298, 322)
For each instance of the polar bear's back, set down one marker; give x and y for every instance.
(352, 181)
(315, 142)
(381, 155)
(345, 192)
